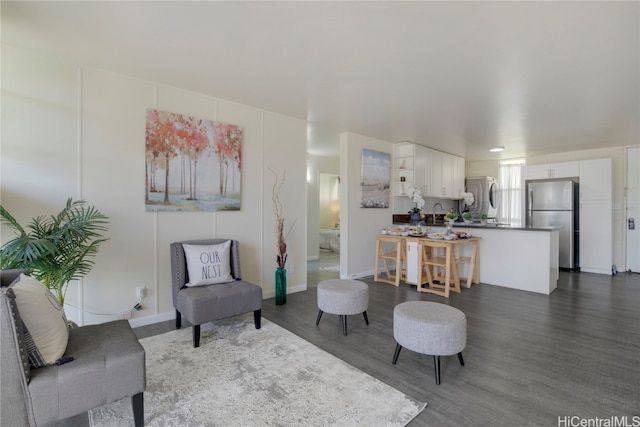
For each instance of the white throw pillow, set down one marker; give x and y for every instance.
(208, 264)
(46, 332)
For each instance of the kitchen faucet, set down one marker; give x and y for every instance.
(434, 210)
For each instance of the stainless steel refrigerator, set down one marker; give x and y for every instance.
(555, 203)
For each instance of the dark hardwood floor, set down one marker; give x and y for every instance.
(530, 359)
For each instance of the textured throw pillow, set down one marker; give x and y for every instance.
(45, 325)
(208, 264)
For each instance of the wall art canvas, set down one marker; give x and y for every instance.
(376, 176)
(192, 164)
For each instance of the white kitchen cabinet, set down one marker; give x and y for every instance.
(434, 187)
(596, 216)
(596, 238)
(458, 176)
(446, 177)
(596, 180)
(552, 170)
(436, 173)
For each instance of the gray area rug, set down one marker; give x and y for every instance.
(240, 376)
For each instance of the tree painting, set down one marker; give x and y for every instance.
(191, 164)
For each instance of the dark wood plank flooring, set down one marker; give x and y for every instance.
(529, 360)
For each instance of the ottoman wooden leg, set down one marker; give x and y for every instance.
(366, 319)
(460, 359)
(436, 363)
(396, 353)
(319, 316)
(344, 324)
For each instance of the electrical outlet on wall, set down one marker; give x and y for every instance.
(140, 292)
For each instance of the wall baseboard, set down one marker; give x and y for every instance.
(150, 320)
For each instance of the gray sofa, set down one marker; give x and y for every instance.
(108, 365)
(203, 304)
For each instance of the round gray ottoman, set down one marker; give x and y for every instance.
(429, 328)
(343, 297)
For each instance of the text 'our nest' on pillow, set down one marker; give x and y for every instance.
(208, 264)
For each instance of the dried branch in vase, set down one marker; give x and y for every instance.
(281, 244)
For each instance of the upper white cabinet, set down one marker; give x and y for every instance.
(447, 175)
(553, 170)
(596, 180)
(436, 173)
(458, 176)
(435, 184)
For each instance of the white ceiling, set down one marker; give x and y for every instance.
(536, 77)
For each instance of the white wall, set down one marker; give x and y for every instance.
(617, 154)
(359, 226)
(71, 131)
(315, 166)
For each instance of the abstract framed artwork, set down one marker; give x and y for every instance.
(191, 164)
(375, 180)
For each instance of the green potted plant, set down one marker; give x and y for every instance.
(483, 219)
(56, 249)
(467, 217)
(451, 216)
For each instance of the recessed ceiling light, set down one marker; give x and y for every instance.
(497, 149)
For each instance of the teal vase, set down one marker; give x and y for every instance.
(281, 286)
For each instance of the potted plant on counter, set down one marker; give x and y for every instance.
(467, 217)
(483, 219)
(451, 216)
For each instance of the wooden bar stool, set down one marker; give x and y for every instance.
(397, 255)
(473, 274)
(444, 265)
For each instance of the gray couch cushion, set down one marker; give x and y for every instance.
(108, 365)
(19, 330)
(14, 365)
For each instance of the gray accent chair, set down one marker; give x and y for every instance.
(108, 365)
(203, 304)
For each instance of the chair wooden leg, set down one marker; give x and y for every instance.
(137, 403)
(375, 268)
(366, 319)
(196, 335)
(460, 359)
(318, 318)
(396, 353)
(178, 320)
(436, 363)
(257, 318)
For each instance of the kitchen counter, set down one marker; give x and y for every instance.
(489, 225)
(525, 258)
